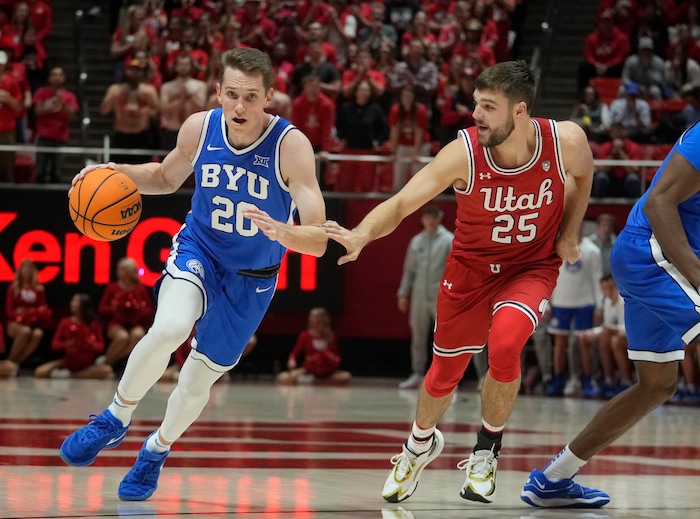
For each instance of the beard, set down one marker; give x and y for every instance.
(498, 135)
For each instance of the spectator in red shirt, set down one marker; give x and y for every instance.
(318, 346)
(188, 10)
(18, 71)
(604, 52)
(618, 180)
(40, 14)
(685, 40)
(122, 46)
(257, 30)
(316, 32)
(127, 310)
(310, 11)
(80, 338)
(440, 14)
(314, 114)
(188, 45)
(314, 63)
(409, 139)
(457, 111)
(476, 53)
(54, 107)
(363, 72)
(419, 30)
(10, 108)
(26, 311)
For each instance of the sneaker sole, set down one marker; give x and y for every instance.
(141, 497)
(394, 498)
(534, 500)
(469, 495)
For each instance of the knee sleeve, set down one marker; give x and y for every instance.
(509, 332)
(445, 373)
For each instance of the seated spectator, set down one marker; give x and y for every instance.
(315, 357)
(54, 107)
(591, 114)
(80, 338)
(457, 111)
(408, 136)
(646, 69)
(605, 51)
(180, 98)
(686, 41)
(315, 64)
(188, 45)
(680, 72)
(127, 310)
(618, 180)
(7, 368)
(377, 31)
(363, 72)
(652, 23)
(28, 315)
(612, 341)
(362, 129)
(10, 108)
(633, 113)
(417, 72)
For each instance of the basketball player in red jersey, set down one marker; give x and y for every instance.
(522, 186)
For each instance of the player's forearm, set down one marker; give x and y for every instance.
(148, 178)
(306, 239)
(381, 221)
(577, 192)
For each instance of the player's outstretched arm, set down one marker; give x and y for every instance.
(446, 168)
(578, 163)
(298, 167)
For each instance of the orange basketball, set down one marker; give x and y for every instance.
(105, 205)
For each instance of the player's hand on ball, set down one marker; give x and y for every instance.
(351, 240)
(88, 169)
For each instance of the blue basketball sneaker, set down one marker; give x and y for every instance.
(142, 480)
(539, 491)
(103, 432)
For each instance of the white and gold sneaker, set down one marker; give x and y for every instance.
(480, 484)
(403, 478)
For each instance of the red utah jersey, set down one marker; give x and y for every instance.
(511, 216)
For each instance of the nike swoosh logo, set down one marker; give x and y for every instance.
(115, 440)
(259, 290)
(209, 148)
(539, 485)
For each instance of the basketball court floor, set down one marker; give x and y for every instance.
(261, 451)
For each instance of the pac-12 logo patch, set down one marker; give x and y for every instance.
(196, 267)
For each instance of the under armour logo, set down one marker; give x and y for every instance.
(484, 176)
(545, 165)
(495, 267)
(261, 161)
(447, 284)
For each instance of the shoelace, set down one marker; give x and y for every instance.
(404, 464)
(145, 470)
(477, 465)
(99, 426)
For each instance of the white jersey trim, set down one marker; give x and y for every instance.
(529, 312)
(652, 356)
(270, 125)
(557, 150)
(198, 355)
(278, 166)
(463, 350)
(202, 137)
(516, 171)
(470, 164)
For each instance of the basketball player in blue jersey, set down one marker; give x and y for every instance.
(656, 267)
(252, 172)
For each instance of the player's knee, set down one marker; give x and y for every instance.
(445, 373)
(170, 332)
(505, 370)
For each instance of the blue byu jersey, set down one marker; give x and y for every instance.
(688, 145)
(227, 179)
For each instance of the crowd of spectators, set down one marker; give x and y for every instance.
(639, 86)
(340, 68)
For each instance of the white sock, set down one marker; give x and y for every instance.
(121, 411)
(420, 440)
(153, 445)
(564, 466)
